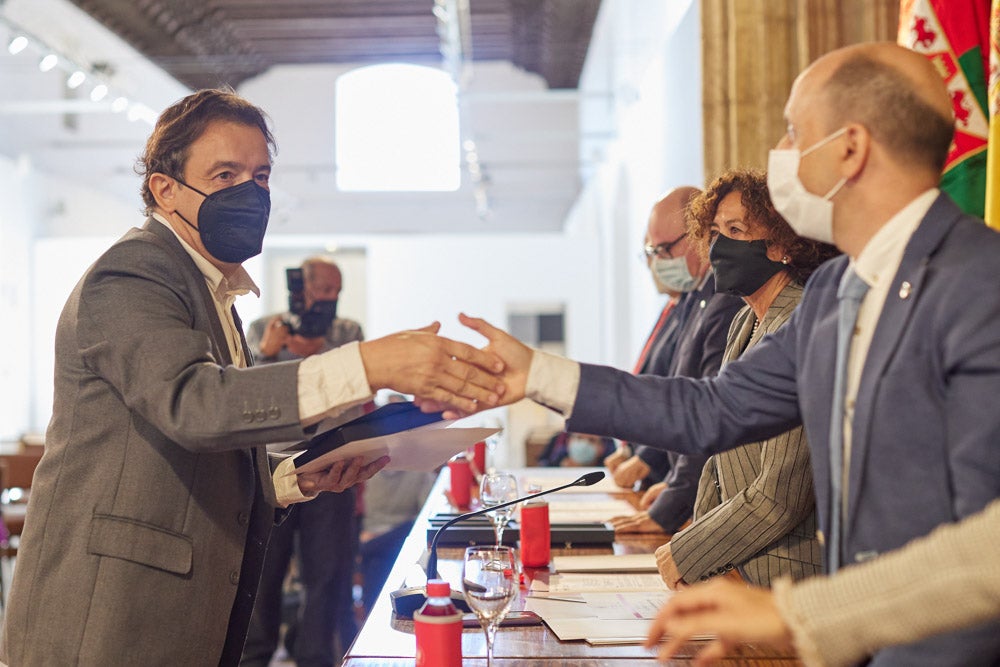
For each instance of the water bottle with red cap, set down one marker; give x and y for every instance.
(438, 626)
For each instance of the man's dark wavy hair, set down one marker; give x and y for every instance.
(180, 125)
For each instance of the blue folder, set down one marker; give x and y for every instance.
(389, 419)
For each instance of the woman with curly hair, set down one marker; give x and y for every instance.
(755, 509)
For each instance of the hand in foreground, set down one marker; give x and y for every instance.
(668, 568)
(434, 369)
(636, 523)
(340, 476)
(616, 458)
(516, 355)
(732, 611)
(652, 493)
(630, 472)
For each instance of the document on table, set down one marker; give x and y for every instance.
(587, 511)
(599, 630)
(606, 485)
(618, 605)
(603, 618)
(605, 563)
(574, 582)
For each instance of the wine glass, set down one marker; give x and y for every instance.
(489, 581)
(496, 488)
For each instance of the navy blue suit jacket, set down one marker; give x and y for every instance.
(698, 352)
(925, 448)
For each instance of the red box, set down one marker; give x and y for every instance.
(535, 534)
(461, 481)
(479, 457)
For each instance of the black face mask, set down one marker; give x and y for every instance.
(232, 221)
(741, 267)
(314, 322)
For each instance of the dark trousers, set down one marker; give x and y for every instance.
(323, 534)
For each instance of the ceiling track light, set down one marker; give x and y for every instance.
(48, 62)
(99, 73)
(17, 45)
(99, 92)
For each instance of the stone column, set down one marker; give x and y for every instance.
(752, 50)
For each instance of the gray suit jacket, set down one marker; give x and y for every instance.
(925, 450)
(755, 508)
(141, 506)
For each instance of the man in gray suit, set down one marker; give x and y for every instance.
(911, 447)
(151, 507)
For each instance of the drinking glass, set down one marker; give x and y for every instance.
(489, 581)
(494, 489)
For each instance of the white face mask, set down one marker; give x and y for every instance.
(672, 273)
(581, 451)
(809, 215)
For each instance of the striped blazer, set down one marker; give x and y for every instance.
(755, 508)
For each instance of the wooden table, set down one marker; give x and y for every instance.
(387, 641)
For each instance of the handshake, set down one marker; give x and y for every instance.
(445, 375)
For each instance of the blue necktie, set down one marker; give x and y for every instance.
(852, 291)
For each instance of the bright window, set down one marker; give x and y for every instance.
(397, 129)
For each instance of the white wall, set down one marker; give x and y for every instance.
(642, 115)
(17, 223)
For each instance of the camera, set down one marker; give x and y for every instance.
(314, 321)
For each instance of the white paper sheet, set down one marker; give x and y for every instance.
(606, 485)
(586, 511)
(421, 449)
(636, 605)
(599, 630)
(605, 563)
(583, 583)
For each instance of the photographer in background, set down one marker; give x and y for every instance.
(311, 325)
(327, 530)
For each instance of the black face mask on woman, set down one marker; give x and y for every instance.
(232, 221)
(741, 267)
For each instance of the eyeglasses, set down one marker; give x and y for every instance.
(662, 250)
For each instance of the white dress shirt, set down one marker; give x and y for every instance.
(877, 264)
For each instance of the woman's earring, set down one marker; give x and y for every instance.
(786, 259)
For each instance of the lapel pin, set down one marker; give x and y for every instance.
(905, 289)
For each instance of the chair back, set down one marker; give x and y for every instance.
(17, 470)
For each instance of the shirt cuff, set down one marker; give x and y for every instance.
(331, 382)
(286, 487)
(553, 382)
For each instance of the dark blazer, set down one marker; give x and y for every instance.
(701, 341)
(924, 449)
(151, 483)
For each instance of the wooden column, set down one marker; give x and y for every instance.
(752, 50)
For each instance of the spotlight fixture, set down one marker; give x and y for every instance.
(99, 92)
(17, 45)
(75, 80)
(48, 62)
(120, 104)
